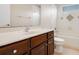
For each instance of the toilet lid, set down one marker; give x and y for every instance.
(58, 39)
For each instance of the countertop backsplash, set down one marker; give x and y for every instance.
(11, 29)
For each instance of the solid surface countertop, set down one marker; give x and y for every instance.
(14, 36)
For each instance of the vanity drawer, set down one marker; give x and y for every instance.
(38, 40)
(17, 48)
(51, 34)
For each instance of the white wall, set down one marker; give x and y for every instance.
(69, 30)
(48, 16)
(4, 15)
(24, 15)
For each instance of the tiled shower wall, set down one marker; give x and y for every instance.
(68, 26)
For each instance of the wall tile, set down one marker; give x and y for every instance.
(70, 17)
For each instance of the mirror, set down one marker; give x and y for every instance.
(19, 15)
(25, 15)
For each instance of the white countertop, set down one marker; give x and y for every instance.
(10, 37)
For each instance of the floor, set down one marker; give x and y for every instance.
(67, 51)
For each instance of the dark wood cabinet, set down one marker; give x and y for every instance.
(38, 40)
(40, 50)
(44, 48)
(17, 48)
(38, 45)
(50, 46)
(51, 43)
(50, 34)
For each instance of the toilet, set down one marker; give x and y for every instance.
(59, 42)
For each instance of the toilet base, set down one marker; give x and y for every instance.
(59, 48)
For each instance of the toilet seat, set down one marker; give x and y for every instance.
(59, 41)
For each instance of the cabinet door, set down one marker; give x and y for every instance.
(38, 40)
(40, 50)
(17, 48)
(50, 46)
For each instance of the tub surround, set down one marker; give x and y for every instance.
(68, 27)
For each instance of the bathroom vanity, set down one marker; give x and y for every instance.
(41, 43)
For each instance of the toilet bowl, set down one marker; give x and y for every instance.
(59, 42)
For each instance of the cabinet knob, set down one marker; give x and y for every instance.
(14, 51)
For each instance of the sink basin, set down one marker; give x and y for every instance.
(31, 32)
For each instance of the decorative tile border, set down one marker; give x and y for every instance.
(69, 17)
